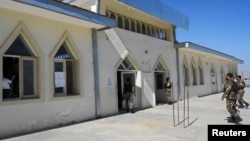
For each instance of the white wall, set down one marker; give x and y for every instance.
(19, 116)
(208, 63)
(136, 44)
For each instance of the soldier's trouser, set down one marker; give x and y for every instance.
(231, 107)
(129, 101)
(169, 96)
(240, 99)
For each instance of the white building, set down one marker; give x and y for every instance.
(63, 64)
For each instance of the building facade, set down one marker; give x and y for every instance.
(63, 64)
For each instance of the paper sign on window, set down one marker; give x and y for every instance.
(59, 79)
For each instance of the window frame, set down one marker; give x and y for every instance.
(21, 59)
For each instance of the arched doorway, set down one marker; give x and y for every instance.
(160, 74)
(213, 80)
(126, 69)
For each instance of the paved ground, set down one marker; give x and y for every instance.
(157, 123)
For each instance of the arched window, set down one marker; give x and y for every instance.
(148, 30)
(20, 65)
(143, 28)
(65, 68)
(213, 75)
(112, 16)
(201, 73)
(222, 73)
(120, 21)
(127, 23)
(156, 33)
(193, 66)
(133, 28)
(138, 27)
(153, 31)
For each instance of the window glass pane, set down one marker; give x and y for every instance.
(10, 77)
(156, 33)
(28, 77)
(153, 32)
(127, 24)
(143, 29)
(148, 30)
(112, 16)
(71, 77)
(63, 53)
(120, 22)
(121, 67)
(58, 66)
(165, 35)
(138, 27)
(132, 25)
(59, 78)
(18, 47)
(126, 63)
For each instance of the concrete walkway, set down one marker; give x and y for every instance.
(156, 124)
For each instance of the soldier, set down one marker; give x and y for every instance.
(168, 87)
(128, 95)
(231, 97)
(241, 92)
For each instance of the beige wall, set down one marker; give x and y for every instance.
(136, 45)
(208, 62)
(18, 116)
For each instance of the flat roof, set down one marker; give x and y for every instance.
(160, 10)
(200, 48)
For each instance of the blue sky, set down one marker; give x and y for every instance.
(222, 25)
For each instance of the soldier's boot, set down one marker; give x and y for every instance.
(247, 104)
(128, 110)
(233, 118)
(237, 117)
(132, 110)
(241, 106)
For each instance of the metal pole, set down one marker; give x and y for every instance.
(172, 95)
(188, 103)
(96, 74)
(178, 110)
(184, 108)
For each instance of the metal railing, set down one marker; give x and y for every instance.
(186, 109)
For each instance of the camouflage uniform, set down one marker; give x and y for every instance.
(241, 93)
(231, 98)
(168, 86)
(129, 96)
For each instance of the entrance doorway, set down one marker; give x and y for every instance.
(126, 69)
(160, 94)
(121, 79)
(160, 73)
(214, 82)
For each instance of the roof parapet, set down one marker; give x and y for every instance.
(207, 50)
(160, 10)
(70, 10)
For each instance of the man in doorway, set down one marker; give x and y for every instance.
(241, 92)
(128, 94)
(168, 87)
(231, 96)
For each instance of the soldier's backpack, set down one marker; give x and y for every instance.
(235, 87)
(243, 85)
